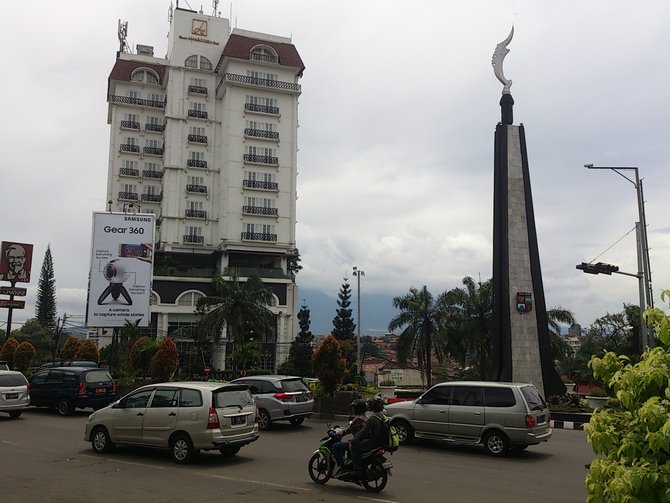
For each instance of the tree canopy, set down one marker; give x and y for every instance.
(45, 304)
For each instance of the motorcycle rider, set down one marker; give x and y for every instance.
(369, 437)
(359, 407)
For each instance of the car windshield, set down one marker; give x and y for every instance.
(98, 376)
(12, 380)
(533, 397)
(232, 397)
(289, 385)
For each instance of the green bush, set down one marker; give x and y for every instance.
(8, 350)
(88, 351)
(23, 356)
(165, 361)
(70, 348)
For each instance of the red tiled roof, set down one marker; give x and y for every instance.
(123, 69)
(239, 46)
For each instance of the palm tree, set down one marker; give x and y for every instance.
(423, 329)
(240, 308)
(559, 348)
(469, 314)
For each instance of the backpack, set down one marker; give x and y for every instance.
(392, 441)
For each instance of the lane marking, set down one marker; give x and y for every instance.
(131, 463)
(378, 500)
(258, 482)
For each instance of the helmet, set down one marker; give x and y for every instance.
(359, 406)
(376, 404)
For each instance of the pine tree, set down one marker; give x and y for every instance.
(343, 324)
(299, 360)
(45, 305)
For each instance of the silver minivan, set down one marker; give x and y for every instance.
(184, 417)
(14, 393)
(500, 416)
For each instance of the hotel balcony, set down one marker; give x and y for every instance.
(196, 163)
(129, 196)
(197, 114)
(154, 128)
(260, 185)
(265, 57)
(130, 125)
(261, 109)
(152, 198)
(261, 133)
(190, 213)
(260, 210)
(197, 138)
(150, 173)
(125, 100)
(193, 239)
(199, 189)
(258, 236)
(153, 150)
(256, 82)
(129, 147)
(197, 90)
(261, 159)
(129, 172)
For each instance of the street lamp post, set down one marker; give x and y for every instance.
(358, 273)
(644, 268)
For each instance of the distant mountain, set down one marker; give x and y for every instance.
(376, 311)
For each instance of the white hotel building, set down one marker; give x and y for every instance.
(206, 139)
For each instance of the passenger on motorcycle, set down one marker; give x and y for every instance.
(370, 437)
(359, 407)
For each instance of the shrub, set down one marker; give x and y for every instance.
(70, 348)
(88, 351)
(165, 361)
(141, 353)
(329, 365)
(23, 356)
(8, 350)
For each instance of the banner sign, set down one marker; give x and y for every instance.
(13, 290)
(119, 285)
(15, 261)
(15, 304)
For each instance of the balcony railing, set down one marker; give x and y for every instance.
(260, 210)
(130, 124)
(198, 114)
(154, 128)
(150, 173)
(197, 90)
(153, 150)
(255, 81)
(262, 133)
(258, 236)
(196, 163)
(152, 198)
(191, 213)
(200, 189)
(270, 58)
(129, 172)
(130, 147)
(261, 159)
(261, 272)
(194, 239)
(263, 109)
(128, 196)
(137, 101)
(197, 138)
(260, 184)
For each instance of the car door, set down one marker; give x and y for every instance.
(129, 417)
(160, 417)
(466, 412)
(38, 387)
(431, 411)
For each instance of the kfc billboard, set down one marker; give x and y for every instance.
(15, 262)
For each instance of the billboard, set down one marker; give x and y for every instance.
(15, 262)
(119, 285)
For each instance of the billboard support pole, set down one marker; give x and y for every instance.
(9, 314)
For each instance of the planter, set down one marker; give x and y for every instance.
(569, 387)
(597, 402)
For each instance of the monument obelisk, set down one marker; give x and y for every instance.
(520, 329)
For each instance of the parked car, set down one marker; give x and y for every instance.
(70, 388)
(184, 417)
(499, 416)
(279, 398)
(70, 363)
(14, 395)
(403, 395)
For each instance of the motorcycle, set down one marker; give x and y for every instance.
(376, 468)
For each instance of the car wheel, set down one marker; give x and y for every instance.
(100, 441)
(229, 451)
(405, 431)
(264, 420)
(63, 407)
(14, 413)
(320, 467)
(496, 443)
(182, 449)
(296, 421)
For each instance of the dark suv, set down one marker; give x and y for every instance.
(70, 388)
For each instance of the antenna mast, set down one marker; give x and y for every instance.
(122, 34)
(215, 6)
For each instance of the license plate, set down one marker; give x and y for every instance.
(11, 396)
(101, 390)
(238, 420)
(387, 465)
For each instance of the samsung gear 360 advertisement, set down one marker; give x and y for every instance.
(121, 265)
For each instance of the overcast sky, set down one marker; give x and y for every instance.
(397, 115)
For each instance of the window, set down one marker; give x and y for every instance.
(268, 229)
(263, 126)
(200, 107)
(196, 156)
(129, 164)
(132, 94)
(200, 131)
(439, 395)
(232, 398)
(39, 378)
(195, 205)
(261, 100)
(262, 75)
(129, 187)
(195, 180)
(131, 117)
(152, 190)
(164, 398)
(198, 82)
(151, 143)
(261, 53)
(205, 64)
(191, 61)
(157, 97)
(137, 400)
(193, 231)
(190, 298)
(499, 397)
(154, 120)
(190, 398)
(259, 201)
(131, 141)
(151, 166)
(144, 75)
(467, 396)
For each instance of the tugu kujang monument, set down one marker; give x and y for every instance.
(521, 350)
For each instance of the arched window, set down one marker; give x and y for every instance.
(145, 76)
(205, 64)
(189, 298)
(153, 299)
(264, 53)
(191, 61)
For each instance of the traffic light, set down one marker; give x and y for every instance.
(597, 268)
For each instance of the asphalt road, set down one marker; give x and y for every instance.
(43, 457)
